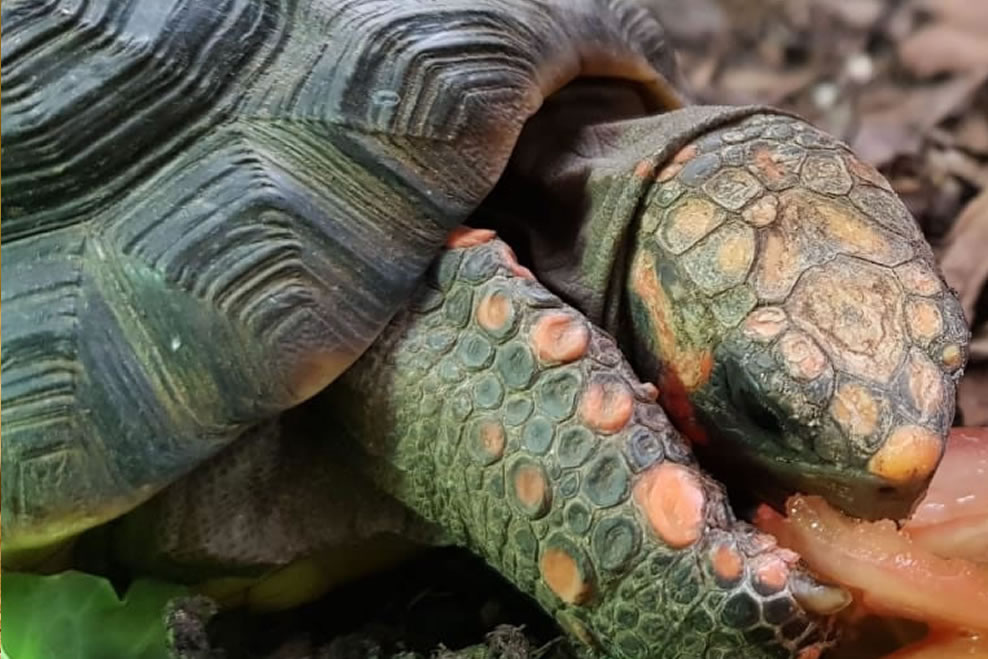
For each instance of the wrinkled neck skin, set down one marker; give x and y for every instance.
(568, 202)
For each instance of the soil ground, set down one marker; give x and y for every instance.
(904, 83)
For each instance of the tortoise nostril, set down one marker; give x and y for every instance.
(886, 490)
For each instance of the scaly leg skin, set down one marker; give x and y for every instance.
(501, 414)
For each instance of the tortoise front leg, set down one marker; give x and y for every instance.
(501, 414)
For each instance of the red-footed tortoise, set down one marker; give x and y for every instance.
(219, 207)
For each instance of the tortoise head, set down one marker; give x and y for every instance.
(801, 331)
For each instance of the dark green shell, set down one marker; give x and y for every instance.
(213, 208)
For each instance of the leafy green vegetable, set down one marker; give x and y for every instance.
(73, 615)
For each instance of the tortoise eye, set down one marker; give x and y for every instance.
(749, 404)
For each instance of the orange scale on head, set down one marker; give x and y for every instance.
(910, 454)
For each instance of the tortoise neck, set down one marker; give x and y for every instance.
(571, 200)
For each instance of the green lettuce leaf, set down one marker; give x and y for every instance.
(73, 615)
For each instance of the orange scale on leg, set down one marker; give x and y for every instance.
(672, 499)
(607, 406)
(560, 337)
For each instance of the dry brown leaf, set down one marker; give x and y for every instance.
(972, 133)
(972, 396)
(944, 48)
(969, 14)
(763, 85)
(898, 118)
(964, 260)
(860, 14)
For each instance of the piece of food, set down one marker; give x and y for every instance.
(952, 520)
(946, 645)
(893, 573)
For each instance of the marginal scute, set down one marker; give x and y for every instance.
(731, 306)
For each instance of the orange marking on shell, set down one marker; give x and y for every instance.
(727, 562)
(925, 321)
(763, 212)
(494, 311)
(771, 572)
(607, 406)
(464, 236)
(910, 454)
(516, 268)
(855, 410)
(804, 360)
(765, 324)
(561, 573)
(492, 438)
(685, 154)
(530, 486)
(668, 172)
(560, 337)
(672, 499)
